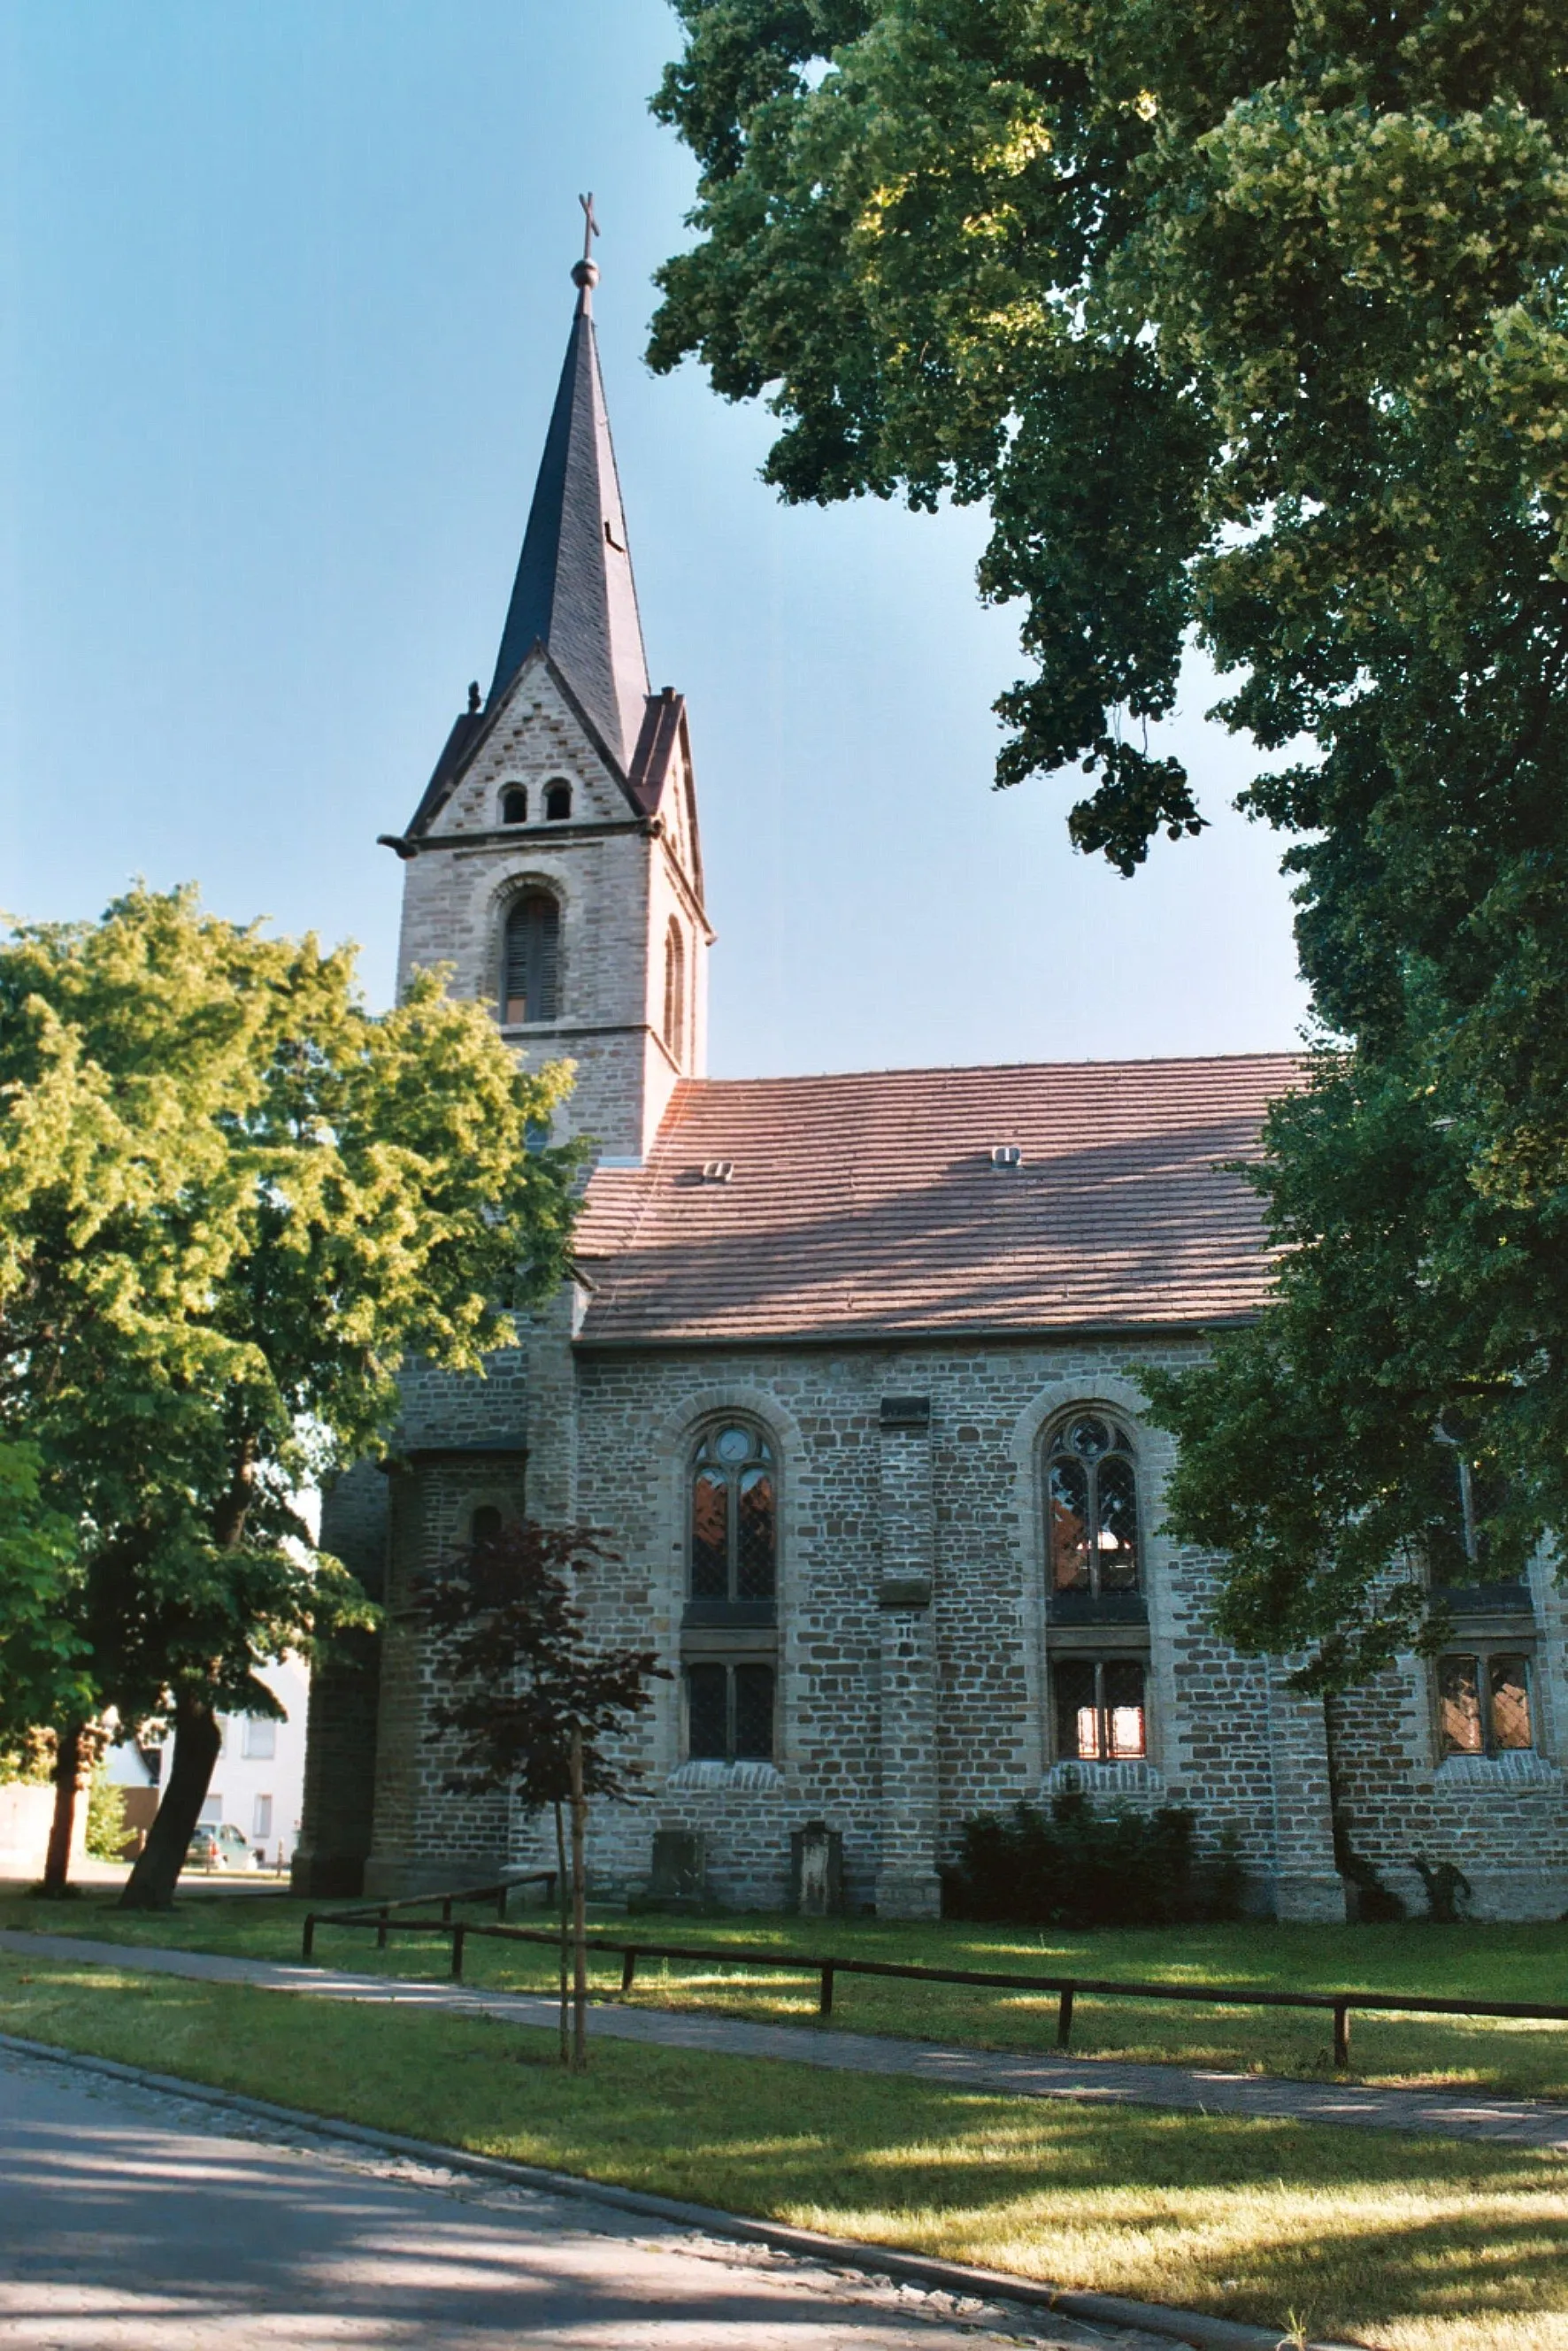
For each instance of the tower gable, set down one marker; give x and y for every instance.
(553, 863)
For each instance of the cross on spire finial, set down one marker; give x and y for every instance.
(585, 273)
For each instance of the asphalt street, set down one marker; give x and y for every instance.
(131, 2219)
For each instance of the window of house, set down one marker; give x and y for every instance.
(558, 800)
(675, 988)
(734, 1514)
(729, 1712)
(1483, 1702)
(260, 1736)
(530, 959)
(210, 1815)
(1100, 1711)
(515, 804)
(1091, 1508)
(261, 1819)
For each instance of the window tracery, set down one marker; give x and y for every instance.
(1091, 1508)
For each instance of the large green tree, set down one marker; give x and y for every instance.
(1249, 322)
(231, 1203)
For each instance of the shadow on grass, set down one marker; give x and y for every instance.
(1354, 2229)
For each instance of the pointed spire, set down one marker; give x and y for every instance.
(574, 591)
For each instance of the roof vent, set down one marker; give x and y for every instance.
(1006, 1155)
(718, 1171)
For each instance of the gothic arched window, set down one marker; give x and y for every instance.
(515, 804)
(1092, 1506)
(674, 988)
(735, 1514)
(530, 959)
(558, 800)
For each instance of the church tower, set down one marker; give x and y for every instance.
(554, 860)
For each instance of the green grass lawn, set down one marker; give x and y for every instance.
(1514, 1962)
(1413, 2244)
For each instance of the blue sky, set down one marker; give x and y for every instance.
(285, 291)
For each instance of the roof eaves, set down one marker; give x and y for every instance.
(889, 1336)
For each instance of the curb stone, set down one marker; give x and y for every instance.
(877, 2262)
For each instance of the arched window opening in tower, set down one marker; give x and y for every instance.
(1091, 1508)
(530, 961)
(558, 802)
(674, 988)
(515, 804)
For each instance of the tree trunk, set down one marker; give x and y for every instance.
(563, 1895)
(197, 1744)
(71, 1748)
(579, 1913)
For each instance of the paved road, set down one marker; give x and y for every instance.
(130, 2222)
(1100, 2081)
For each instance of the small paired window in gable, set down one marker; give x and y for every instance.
(558, 800)
(530, 961)
(515, 804)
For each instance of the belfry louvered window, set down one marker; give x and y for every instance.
(530, 961)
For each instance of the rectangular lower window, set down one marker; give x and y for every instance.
(729, 1713)
(261, 1818)
(1483, 1702)
(1100, 1709)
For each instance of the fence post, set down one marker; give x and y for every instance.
(446, 1910)
(1064, 2018)
(459, 1935)
(628, 1967)
(825, 2004)
(381, 1928)
(1342, 2036)
(308, 1944)
(500, 1901)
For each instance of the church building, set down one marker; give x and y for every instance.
(847, 1369)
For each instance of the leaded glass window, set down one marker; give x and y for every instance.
(734, 1515)
(1100, 1712)
(1483, 1702)
(1091, 1508)
(729, 1713)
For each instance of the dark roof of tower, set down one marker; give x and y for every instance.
(574, 593)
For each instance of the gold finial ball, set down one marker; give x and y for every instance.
(585, 273)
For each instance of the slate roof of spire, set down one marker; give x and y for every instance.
(869, 1207)
(574, 591)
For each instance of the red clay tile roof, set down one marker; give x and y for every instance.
(868, 1205)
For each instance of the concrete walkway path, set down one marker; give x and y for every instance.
(1014, 2074)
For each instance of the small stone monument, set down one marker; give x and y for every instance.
(816, 1870)
(678, 1879)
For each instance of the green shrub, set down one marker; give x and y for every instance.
(105, 1830)
(1080, 1867)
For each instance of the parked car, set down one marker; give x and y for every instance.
(222, 1847)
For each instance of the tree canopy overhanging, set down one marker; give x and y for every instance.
(1249, 322)
(232, 1202)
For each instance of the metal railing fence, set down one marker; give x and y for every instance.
(1067, 1990)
